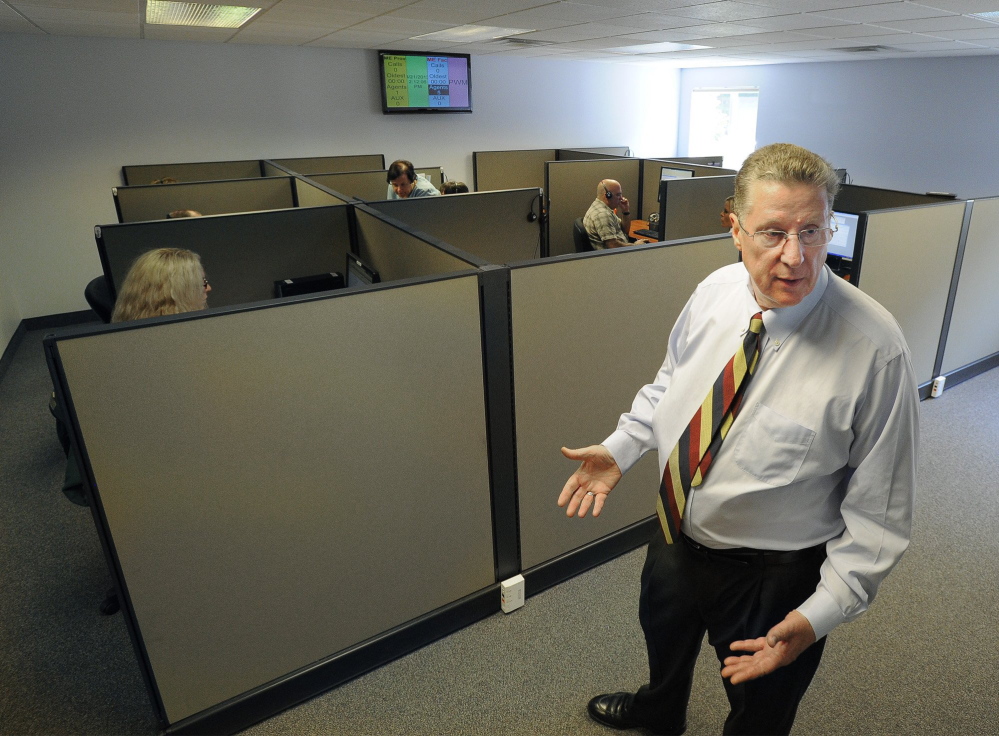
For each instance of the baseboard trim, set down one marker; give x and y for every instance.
(970, 371)
(551, 573)
(64, 319)
(269, 700)
(8, 353)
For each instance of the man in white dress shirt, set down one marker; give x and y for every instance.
(807, 504)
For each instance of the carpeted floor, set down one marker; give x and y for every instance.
(922, 661)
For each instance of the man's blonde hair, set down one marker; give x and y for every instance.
(161, 281)
(784, 163)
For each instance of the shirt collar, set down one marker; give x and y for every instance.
(781, 323)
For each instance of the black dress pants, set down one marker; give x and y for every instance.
(686, 593)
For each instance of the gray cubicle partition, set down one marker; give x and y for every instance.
(973, 335)
(582, 154)
(370, 186)
(855, 198)
(579, 360)
(510, 169)
(141, 203)
(714, 161)
(243, 255)
(692, 205)
(907, 262)
(652, 173)
(311, 194)
(397, 251)
(498, 227)
(333, 164)
(203, 171)
(282, 489)
(571, 187)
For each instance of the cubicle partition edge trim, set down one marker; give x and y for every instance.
(955, 277)
(286, 691)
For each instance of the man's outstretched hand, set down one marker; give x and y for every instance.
(781, 646)
(597, 475)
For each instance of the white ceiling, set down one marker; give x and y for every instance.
(735, 32)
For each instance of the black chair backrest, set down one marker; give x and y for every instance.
(580, 237)
(98, 296)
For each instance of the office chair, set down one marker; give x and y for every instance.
(98, 296)
(580, 237)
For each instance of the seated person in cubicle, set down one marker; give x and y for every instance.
(605, 228)
(403, 182)
(162, 281)
(454, 187)
(165, 180)
(182, 213)
(726, 214)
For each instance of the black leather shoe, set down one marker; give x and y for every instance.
(612, 709)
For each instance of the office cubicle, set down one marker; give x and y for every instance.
(525, 169)
(652, 175)
(201, 171)
(715, 161)
(371, 185)
(578, 361)
(972, 340)
(689, 208)
(311, 194)
(856, 198)
(154, 202)
(582, 154)
(333, 164)
(288, 495)
(571, 187)
(908, 259)
(498, 227)
(396, 251)
(244, 254)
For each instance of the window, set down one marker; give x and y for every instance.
(723, 121)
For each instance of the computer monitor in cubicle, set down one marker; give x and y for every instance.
(666, 173)
(845, 238)
(359, 273)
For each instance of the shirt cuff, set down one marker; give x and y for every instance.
(625, 449)
(822, 612)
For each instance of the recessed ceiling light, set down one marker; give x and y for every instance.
(161, 12)
(469, 34)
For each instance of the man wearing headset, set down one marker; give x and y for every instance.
(404, 183)
(605, 228)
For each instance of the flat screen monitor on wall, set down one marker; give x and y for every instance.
(845, 239)
(420, 82)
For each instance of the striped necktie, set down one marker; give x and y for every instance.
(698, 445)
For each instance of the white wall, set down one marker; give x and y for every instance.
(78, 109)
(912, 124)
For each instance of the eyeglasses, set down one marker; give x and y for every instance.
(812, 237)
(206, 282)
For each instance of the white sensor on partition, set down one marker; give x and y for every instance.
(938, 386)
(512, 594)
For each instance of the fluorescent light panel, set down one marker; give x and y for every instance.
(992, 17)
(656, 48)
(161, 12)
(469, 34)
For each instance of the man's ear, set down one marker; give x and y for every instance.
(735, 231)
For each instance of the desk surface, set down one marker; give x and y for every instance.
(639, 225)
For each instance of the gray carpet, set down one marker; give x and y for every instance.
(922, 661)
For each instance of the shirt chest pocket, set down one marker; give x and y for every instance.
(772, 447)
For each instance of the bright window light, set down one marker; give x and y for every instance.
(723, 121)
(162, 12)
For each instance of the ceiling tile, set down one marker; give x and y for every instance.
(358, 39)
(45, 16)
(726, 11)
(946, 23)
(655, 21)
(981, 34)
(793, 22)
(104, 6)
(810, 6)
(853, 30)
(332, 18)
(12, 22)
(962, 6)
(555, 15)
(936, 46)
(281, 33)
(403, 26)
(884, 12)
(464, 12)
(578, 33)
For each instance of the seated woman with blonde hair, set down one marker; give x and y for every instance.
(162, 281)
